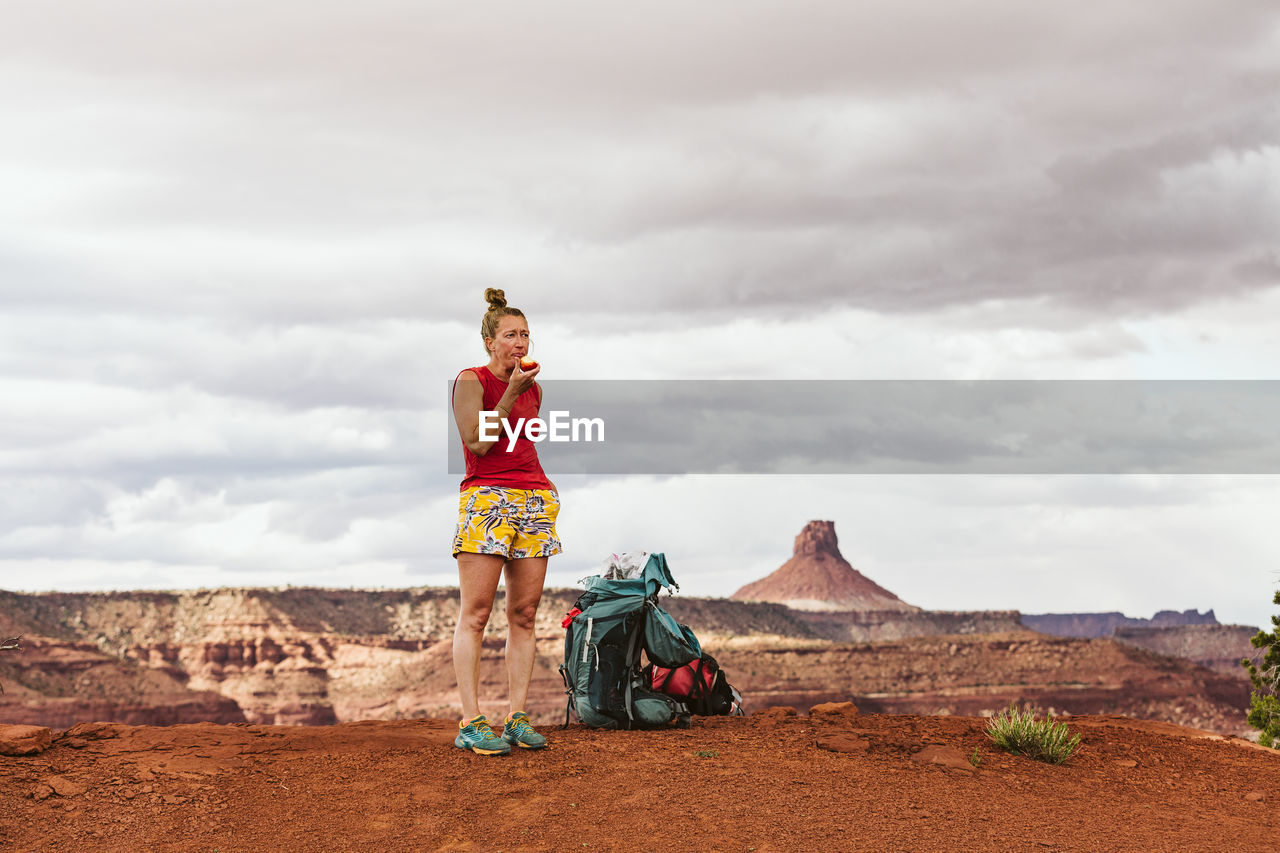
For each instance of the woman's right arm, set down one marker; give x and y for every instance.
(468, 401)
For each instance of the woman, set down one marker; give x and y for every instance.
(506, 525)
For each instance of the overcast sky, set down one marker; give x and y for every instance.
(243, 248)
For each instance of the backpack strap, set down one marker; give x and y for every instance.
(699, 689)
(568, 689)
(632, 662)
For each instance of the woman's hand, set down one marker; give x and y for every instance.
(521, 380)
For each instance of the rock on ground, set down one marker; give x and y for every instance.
(24, 740)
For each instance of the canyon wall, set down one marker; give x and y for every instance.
(319, 656)
(1216, 647)
(310, 656)
(1105, 624)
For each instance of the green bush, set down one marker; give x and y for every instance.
(1019, 732)
(1264, 699)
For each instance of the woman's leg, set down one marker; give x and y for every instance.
(477, 582)
(524, 590)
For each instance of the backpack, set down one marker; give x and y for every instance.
(608, 627)
(700, 685)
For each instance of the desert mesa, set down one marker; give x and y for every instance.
(815, 630)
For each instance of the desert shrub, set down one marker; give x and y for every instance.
(1264, 698)
(1019, 732)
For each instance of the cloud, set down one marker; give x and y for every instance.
(109, 366)
(242, 249)
(326, 163)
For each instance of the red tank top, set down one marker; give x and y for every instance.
(519, 469)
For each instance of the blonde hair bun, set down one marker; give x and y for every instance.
(498, 309)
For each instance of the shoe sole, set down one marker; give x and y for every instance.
(478, 751)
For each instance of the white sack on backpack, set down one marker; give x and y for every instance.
(629, 565)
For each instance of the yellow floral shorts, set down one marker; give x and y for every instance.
(515, 523)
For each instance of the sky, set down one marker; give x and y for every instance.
(243, 250)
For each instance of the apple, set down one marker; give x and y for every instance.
(527, 363)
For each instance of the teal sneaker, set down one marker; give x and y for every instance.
(475, 735)
(517, 732)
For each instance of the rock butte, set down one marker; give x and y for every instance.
(818, 577)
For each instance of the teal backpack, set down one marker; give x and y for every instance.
(609, 626)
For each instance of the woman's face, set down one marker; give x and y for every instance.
(511, 340)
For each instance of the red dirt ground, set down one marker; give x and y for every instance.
(769, 782)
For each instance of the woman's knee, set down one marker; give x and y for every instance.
(473, 620)
(522, 616)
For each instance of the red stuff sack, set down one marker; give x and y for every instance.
(701, 685)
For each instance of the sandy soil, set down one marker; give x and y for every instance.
(768, 782)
